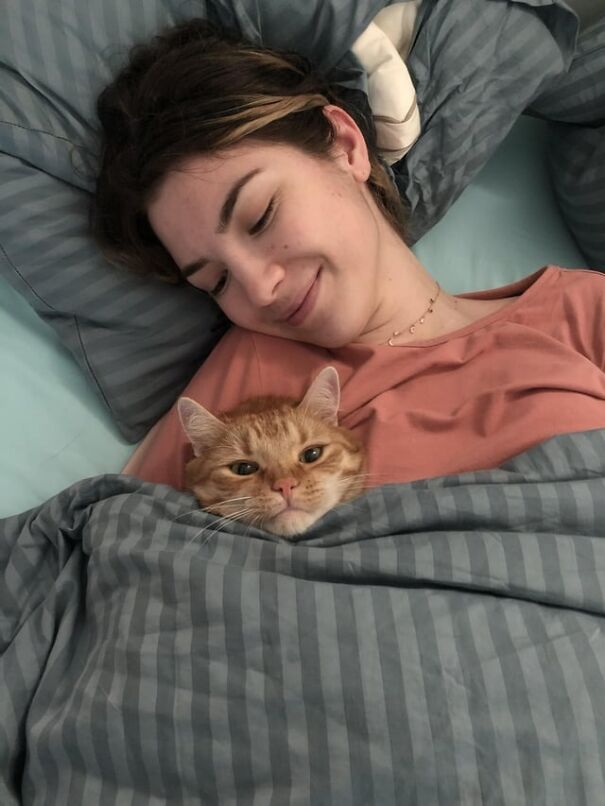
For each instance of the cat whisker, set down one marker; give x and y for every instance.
(230, 500)
(225, 501)
(184, 514)
(255, 519)
(217, 524)
(367, 476)
(207, 509)
(348, 479)
(243, 517)
(355, 476)
(260, 519)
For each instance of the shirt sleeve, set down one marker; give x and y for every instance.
(598, 325)
(583, 312)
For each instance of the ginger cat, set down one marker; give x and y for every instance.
(273, 462)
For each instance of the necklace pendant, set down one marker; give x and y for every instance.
(412, 328)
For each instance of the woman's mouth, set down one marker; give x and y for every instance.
(306, 306)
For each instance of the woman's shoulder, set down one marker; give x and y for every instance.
(582, 290)
(580, 278)
(546, 293)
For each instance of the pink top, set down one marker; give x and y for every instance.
(466, 401)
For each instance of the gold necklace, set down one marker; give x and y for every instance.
(419, 321)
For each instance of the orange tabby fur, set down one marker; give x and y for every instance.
(286, 493)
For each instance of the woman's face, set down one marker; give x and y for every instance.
(287, 244)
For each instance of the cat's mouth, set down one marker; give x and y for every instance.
(291, 521)
(290, 508)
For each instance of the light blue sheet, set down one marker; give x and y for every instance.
(53, 428)
(506, 224)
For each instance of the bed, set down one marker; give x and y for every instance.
(435, 642)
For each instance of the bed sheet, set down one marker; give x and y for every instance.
(506, 224)
(54, 430)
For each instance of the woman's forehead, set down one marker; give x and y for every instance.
(203, 191)
(212, 178)
(229, 161)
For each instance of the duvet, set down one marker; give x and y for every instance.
(439, 642)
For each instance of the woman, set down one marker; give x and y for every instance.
(240, 171)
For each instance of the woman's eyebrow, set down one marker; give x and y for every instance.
(224, 218)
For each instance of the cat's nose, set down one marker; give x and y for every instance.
(284, 486)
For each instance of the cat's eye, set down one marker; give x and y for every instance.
(243, 468)
(311, 454)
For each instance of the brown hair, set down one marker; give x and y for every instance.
(196, 89)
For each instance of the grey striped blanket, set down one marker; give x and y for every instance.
(439, 642)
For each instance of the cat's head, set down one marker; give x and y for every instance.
(274, 462)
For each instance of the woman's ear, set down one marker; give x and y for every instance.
(349, 147)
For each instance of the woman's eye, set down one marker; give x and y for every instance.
(220, 285)
(263, 220)
(260, 225)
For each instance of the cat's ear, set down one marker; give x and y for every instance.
(201, 427)
(323, 396)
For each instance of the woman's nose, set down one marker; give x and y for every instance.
(261, 280)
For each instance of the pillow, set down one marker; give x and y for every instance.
(139, 341)
(391, 94)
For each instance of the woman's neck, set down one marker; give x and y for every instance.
(403, 300)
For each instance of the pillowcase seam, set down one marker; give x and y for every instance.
(74, 318)
(108, 403)
(42, 131)
(25, 282)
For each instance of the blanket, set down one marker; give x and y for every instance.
(439, 642)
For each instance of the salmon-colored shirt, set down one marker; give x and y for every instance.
(466, 401)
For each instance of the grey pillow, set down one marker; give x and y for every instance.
(138, 340)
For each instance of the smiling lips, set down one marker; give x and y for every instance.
(303, 308)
